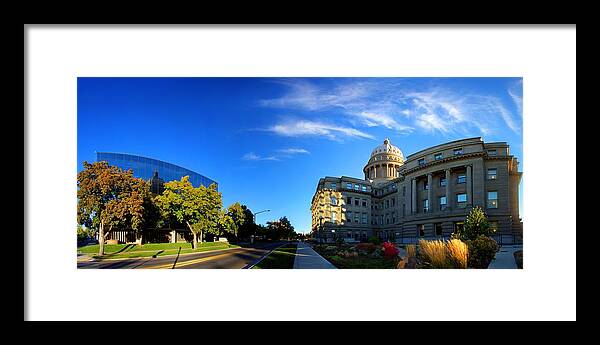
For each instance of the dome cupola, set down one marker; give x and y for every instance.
(384, 162)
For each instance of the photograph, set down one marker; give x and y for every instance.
(300, 172)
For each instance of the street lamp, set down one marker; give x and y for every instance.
(254, 219)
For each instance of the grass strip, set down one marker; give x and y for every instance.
(281, 258)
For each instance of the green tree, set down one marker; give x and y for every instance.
(475, 225)
(197, 208)
(248, 228)
(237, 214)
(279, 229)
(109, 196)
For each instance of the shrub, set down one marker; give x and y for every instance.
(390, 250)
(367, 247)
(375, 240)
(457, 253)
(476, 224)
(434, 253)
(411, 250)
(482, 251)
(518, 258)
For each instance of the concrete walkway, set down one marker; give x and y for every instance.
(306, 257)
(505, 258)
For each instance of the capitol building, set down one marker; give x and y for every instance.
(427, 194)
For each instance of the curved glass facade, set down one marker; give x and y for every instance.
(145, 168)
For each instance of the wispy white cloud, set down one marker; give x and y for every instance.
(296, 128)
(516, 93)
(251, 156)
(279, 155)
(292, 151)
(390, 104)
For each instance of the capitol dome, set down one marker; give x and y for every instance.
(384, 163)
(387, 147)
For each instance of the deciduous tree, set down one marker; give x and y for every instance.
(110, 196)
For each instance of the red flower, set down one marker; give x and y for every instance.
(390, 250)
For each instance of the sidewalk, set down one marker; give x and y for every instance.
(306, 257)
(504, 258)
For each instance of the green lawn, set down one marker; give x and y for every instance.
(120, 251)
(281, 258)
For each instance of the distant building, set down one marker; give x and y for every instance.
(156, 172)
(153, 170)
(426, 195)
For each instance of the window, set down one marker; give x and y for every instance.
(492, 173)
(403, 210)
(349, 200)
(364, 202)
(425, 185)
(348, 185)
(333, 216)
(438, 156)
(461, 200)
(393, 202)
(492, 200)
(356, 187)
(438, 229)
(443, 182)
(458, 151)
(458, 226)
(349, 217)
(364, 218)
(387, 203)
(462, 178)
(364, 188)
(425, 205)
(403, 190)
(334, 200)
(349, 234)
(422, 161)
(387, 219)
(443, 203)
(357, 217)
(492, 153)
(494, 226)
(356, 201)
(421, 229)
(333, 186)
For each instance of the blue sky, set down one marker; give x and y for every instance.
(267, 141)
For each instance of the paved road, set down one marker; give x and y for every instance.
(227, 258)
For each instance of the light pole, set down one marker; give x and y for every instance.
(254, 219)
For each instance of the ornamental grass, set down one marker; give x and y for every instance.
(458, 253)
(434, 252)
(411, 250)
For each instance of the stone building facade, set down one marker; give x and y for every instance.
(426, 195)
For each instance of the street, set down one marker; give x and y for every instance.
(226, 258)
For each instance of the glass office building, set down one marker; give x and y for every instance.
(147, 168)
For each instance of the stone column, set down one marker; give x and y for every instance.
(173, 236)
(469, 187)
(413, 191)
(430, 191)
(449, 198)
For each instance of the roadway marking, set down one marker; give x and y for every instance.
(194, 261)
